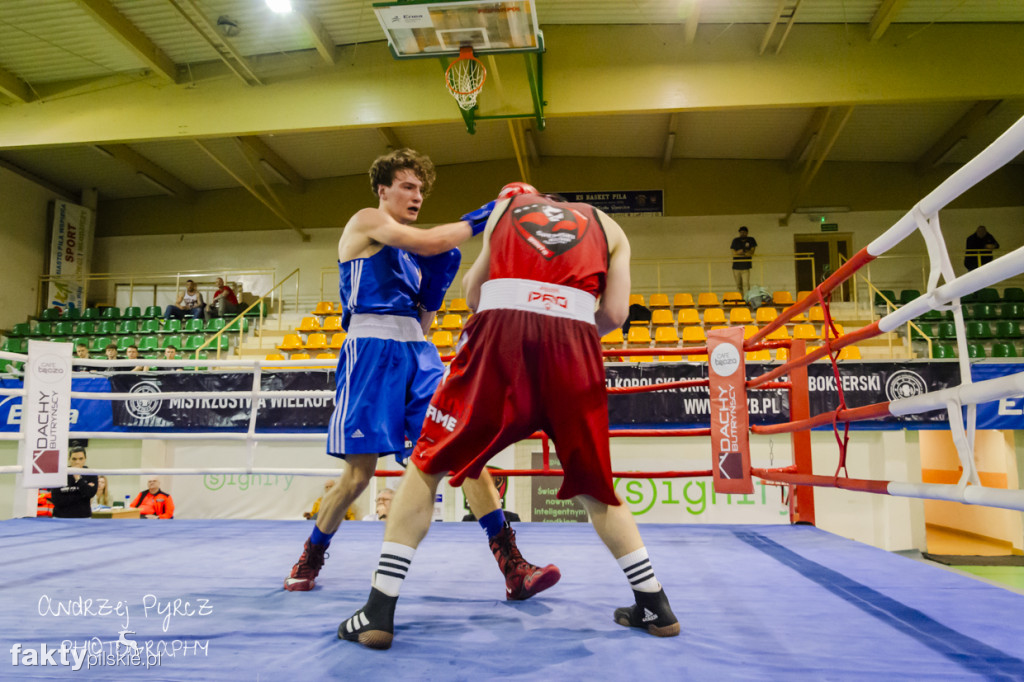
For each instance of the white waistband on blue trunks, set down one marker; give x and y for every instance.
(393, 327)
(537, 297)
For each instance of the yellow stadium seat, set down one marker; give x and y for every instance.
(707, 299)
(733, 298)
(458, 305)
(698, 358)
(324, 308)
(682, 301)
(780, 333)
(639, 337)
(805, 331)
(643, 358)
(759, 356)
(274, 356)
(658, 301)
(800, 295)
(662, 317)
(300, 356)
(291, 342)
(749, 330)
(688, 316)
(765, 315)
(326, 356)
(612, 339)
(636, 299)
(714, 316)
(443, 340)
(839, 331)
(782, 298)
(452, 322)
(740, 316)
(802, 317)
(309, 324)
(666, 336)
(816, 314)
(694, 336)
(337, 339)
(316, 341)
(849, 353)
(331, 324)
(782, 354)
(671, 358)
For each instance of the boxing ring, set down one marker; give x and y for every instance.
(202, 599)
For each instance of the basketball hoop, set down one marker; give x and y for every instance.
(465, 77)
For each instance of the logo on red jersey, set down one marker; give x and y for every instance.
(551, 230)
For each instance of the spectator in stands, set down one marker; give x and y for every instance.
(311, 514)
(153, 503)
(979, 248)
(111, 351)
(132, 353)
(82, 352)
(383, 503)
(171, 353)
(743, 248)
(102, 499)
(224, 303)
(72, 501)
(190, 303)
(639, 314)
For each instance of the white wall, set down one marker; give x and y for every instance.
(23, 239)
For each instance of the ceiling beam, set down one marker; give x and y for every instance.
(692, 20)
(883, 17)
(14, 87)
(821, 152)
(42, 182)
(670, 141)
(515, 130)
(532, 148)
(132, 38)
(389, 137)
(810, 135)
(277, 210)
(149, 171)
(225, 51)
(786, 10)
(322, 40)
(960, 130)
(271, 160)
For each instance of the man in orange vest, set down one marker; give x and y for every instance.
(154, 503)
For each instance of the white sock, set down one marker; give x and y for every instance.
(392, 567)
(637, 567)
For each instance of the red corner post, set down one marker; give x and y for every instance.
(800, 408)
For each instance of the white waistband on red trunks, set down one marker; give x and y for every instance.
(393, 327)
(537, 297)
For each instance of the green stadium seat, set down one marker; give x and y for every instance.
(980, 311)
(224, 343)
(132, 312)
(192, 343)
(60, 339)
(975, 350)
(50, 315)
(149, 344)
(152, 311)
(21, 329)
(43, 329)
(151, 327)
(215, 324)
(124, 342)
(969, 298)
(64, 328)
(171, 341)
(1007, 329)
(98, 343)
(82, 340)
(988, 296)
(107, 328)
(889, 294)
(947, 330)
(978, 330)
(908, 295)
(111, 313)
(1004, 350)
(71, 313)
(193, 326)
(245, 325)
(86, 327)
(932, 316)
(943, 351)
(128, 327)
(15, 345)
(91, 314)
(172, 327)
(926, 328)
(1013, 294)
(1012, 311)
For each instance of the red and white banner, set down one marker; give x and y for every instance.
(70, 255)
(46, 415)
(730, 443)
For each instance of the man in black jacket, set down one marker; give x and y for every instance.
(73, 500)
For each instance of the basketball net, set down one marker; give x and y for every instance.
(465, 77)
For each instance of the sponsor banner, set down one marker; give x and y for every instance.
(43, 450)
(70, 254)
(648, 202)
(730, 447)
(86, 415)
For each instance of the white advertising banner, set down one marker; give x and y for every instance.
(70, 254)
(46, 414)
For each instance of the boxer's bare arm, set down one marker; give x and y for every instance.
(481, 270)
(371, 228)
(614, 305)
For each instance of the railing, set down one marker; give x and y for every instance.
(154, 279)
(890, 306)
(260, 321)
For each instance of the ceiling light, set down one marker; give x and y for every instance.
(280, 6)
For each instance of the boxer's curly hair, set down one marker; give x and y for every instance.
(383, 170)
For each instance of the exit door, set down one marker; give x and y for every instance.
(818, 256)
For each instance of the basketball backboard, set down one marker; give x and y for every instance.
(436, 29)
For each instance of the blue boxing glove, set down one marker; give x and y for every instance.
(437, 274)
(478, 218)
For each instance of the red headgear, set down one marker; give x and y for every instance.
(513, 188)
